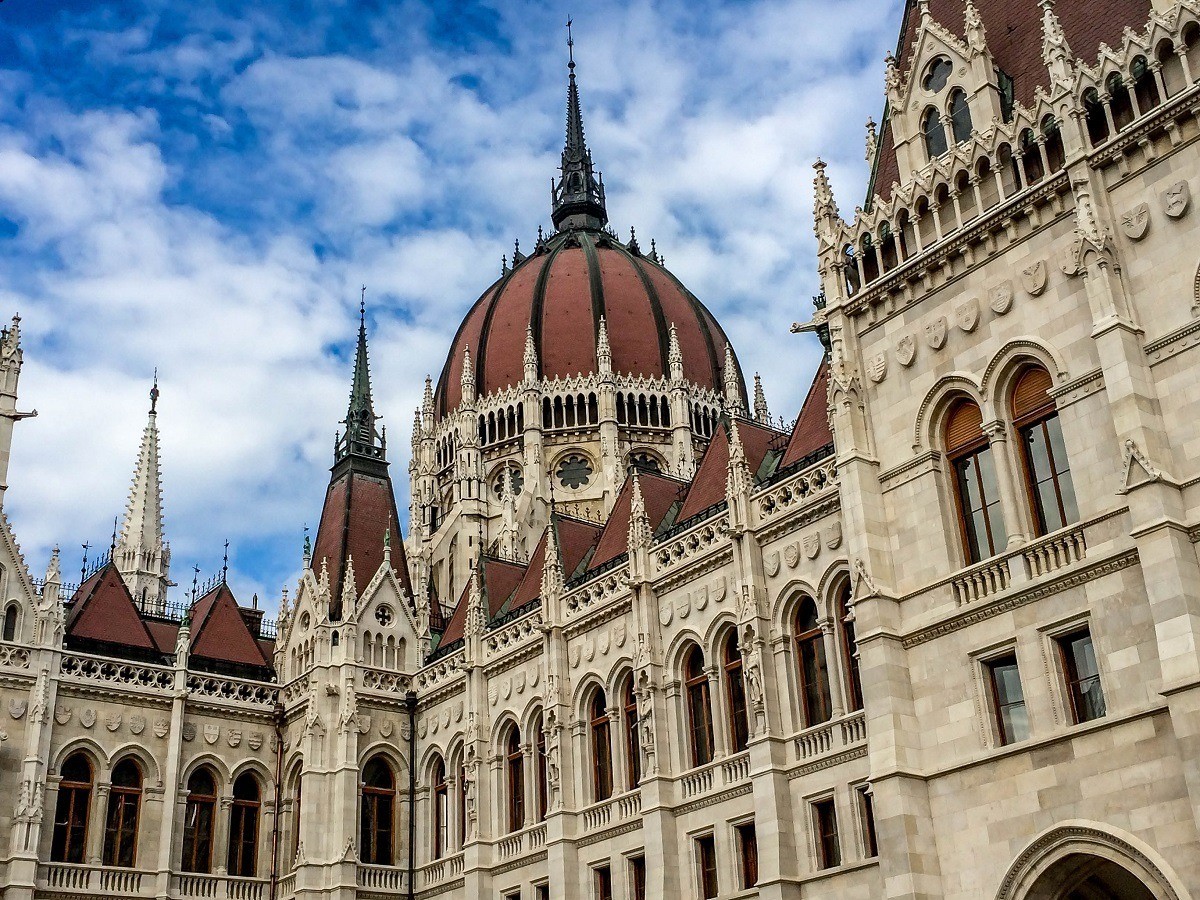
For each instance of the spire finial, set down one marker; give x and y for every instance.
(112, 546)
(154, 394)
(225, 562)
(362, 437)
(570, 47)
(578, 197)
(362, 308)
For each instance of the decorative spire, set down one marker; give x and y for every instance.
(531, 359)
(761, 412)
(603, 349)
(733, 396)
(553, 577)
(361, 438)
(578, 198)
(467, 382)
(824, 206)
(1056, 53)
(633, 243)
(675, 356)
(477, 613)
(639, 521)
(737, 478)
(976, 35)
(416, 433)
(140, 550)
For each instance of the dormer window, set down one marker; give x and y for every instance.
(937, 74)
(935, 133)
(960, 116)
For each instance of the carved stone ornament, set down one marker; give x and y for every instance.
(62, 714)
(364, 724)
(1034, 278)
(1000, 298)
(189, 731)
(833, 537)
(161, 726)
(791, 554)
(234, 737)
(211, 733)
(1136, 222)
(877, 367)
(935, 333)
(255, 741)
(812, 545)
(16, 708)
(683, 607)
(906, 350)
(966, 315)
(87, 718)
(665, 614)
(137, 724)
(386, 727)
(700, 598)
(771, 563)
(1177, 199)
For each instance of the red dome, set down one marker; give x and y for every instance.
(561, 291)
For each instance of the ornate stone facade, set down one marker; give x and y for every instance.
(825, 661)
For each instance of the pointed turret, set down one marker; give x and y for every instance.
(603, 349)
(733, 394)
(362, 436)
(675, 355)
(467, 382)
(976, 35)
(141, 553)
(553, 577)
(578, 198)
(1056, 53)
(639, 521)
(761, 412)
(531, 358)
(11, 360)
(824, 206)
(427, 405)
(738, 479)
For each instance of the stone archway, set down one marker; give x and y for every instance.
(1081, 876)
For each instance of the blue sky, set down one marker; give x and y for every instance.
(202, 188)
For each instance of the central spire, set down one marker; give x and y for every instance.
(578, 198)
(362, 438)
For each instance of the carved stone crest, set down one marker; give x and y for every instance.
(113, 722)
(255, 741)
(1035, 277)
(16, 708)
(364, 724)
(160, 728)
(386, 727)
(877, 367)
(791, 554)
(1177, 199)
(211, 733)
(906, 350)
(665, 613)
(234, 737)
(700, 598)
(87, 718)
(833, 537)
(966, 315)
(1136, 222)
(137, 724)
(189, 731)
(1000, 298)
(771, 563)
(62, 714)
(935, 333)
(812, 545)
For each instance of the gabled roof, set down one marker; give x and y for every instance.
(1014, 37)
(576, 539)
(663, 497)
(762, 445)
(103, 611)
(811, 431)
(220, 633)
(500, 579)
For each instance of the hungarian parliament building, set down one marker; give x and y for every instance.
(939, 638)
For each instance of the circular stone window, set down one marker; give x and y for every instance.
(938, 74)
(305, 621)
(516, 481)
(383, 615)
(574, 471)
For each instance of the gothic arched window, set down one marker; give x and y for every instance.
(514, 764)
(10, 622)
(976, 490)
(735, 695)
(441, 809)
(243, 826)
(960, 116)
(198, 818)
(849, 648)
(1047, 471)
(542, 794)
(633, 741)
(815, 701)
(937, 74)
(71, 810)
(699, 708)
(378, 813)
(121, 821)
(601, 747)
(935, 133)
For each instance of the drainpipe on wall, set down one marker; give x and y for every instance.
(278, 811)
(410, 702)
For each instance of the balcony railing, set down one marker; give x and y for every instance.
(614, 809)
(87, 879)
(440, 870)
(385, 879)
(219, 887)
(1037, 558)
(719, 775)
(831, 737)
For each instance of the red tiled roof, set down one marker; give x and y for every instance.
(500, 579)
(561, 292)
(1014, 36)
(708, 487)
(359, 508)
(102, 610)
(811, 431)
(575, 539)
(220, 633)
(659, 493)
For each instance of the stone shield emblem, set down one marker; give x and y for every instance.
(833, 538)
(1034, 278)
(137, 724)
(189, 731)
(877, 367)
(906, 350)
(812, 545)
(211, 733)
(87, 718)
(1177, 199)
(966, 315)
(234, 737)
(771, 563)
(1000, 298)
(62, 714)
(1136, 222)
(935, 333)
(160, 728)
(255, 740)
(113, 722)
(791, 554)
(16, 708)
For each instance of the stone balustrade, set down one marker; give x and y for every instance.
(831, 737)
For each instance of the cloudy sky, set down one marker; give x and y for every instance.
(203, 187)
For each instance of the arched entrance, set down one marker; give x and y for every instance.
(1080, 861)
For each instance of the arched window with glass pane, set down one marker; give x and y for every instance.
(1047, 471)
(598, 724)
(849, 643)
(735, 695)
(10, 622)
(633, 740)
(71, 810)
(815, 702)
(295, 819)
(935, 133)
(699, 707)
(243, 826)
(960, 116)
(378, 813)
(462, 805)
(977, 493)
(198, 818)
(542, 794)
(514, 764)
(121, 822)
(441, 809)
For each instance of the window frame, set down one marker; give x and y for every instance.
(1023, 425)
(1056, 636)
(372, 799)
(848, 639)
(636, 866)
(633, 740)
(440, 839)
(865, 801)
(125, 806)
(541, 793)
(746, 834)
(242, 811)
(698, 699)
(736, 708)
(600, 736)
(199, 802)
(602, 883)
(78, 813)
(815, 637)
(973, 449)
(514, 767)
(990, 664)
(708, 879)
(827, 841)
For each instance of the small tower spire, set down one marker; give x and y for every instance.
(761, 412)
(976, 35)
(1056, 53)
(603, 349)
(140, 551)
(639, 521)
(467, 381)
(733, 397)
(675, 355)
(578, 197)
(531, 359)
(362, 437)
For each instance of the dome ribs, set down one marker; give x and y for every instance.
(662, 327)
(500, 359)
(596, 283)
(538, 305)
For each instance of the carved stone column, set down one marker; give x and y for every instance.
(1016, 517)
(833, 668)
